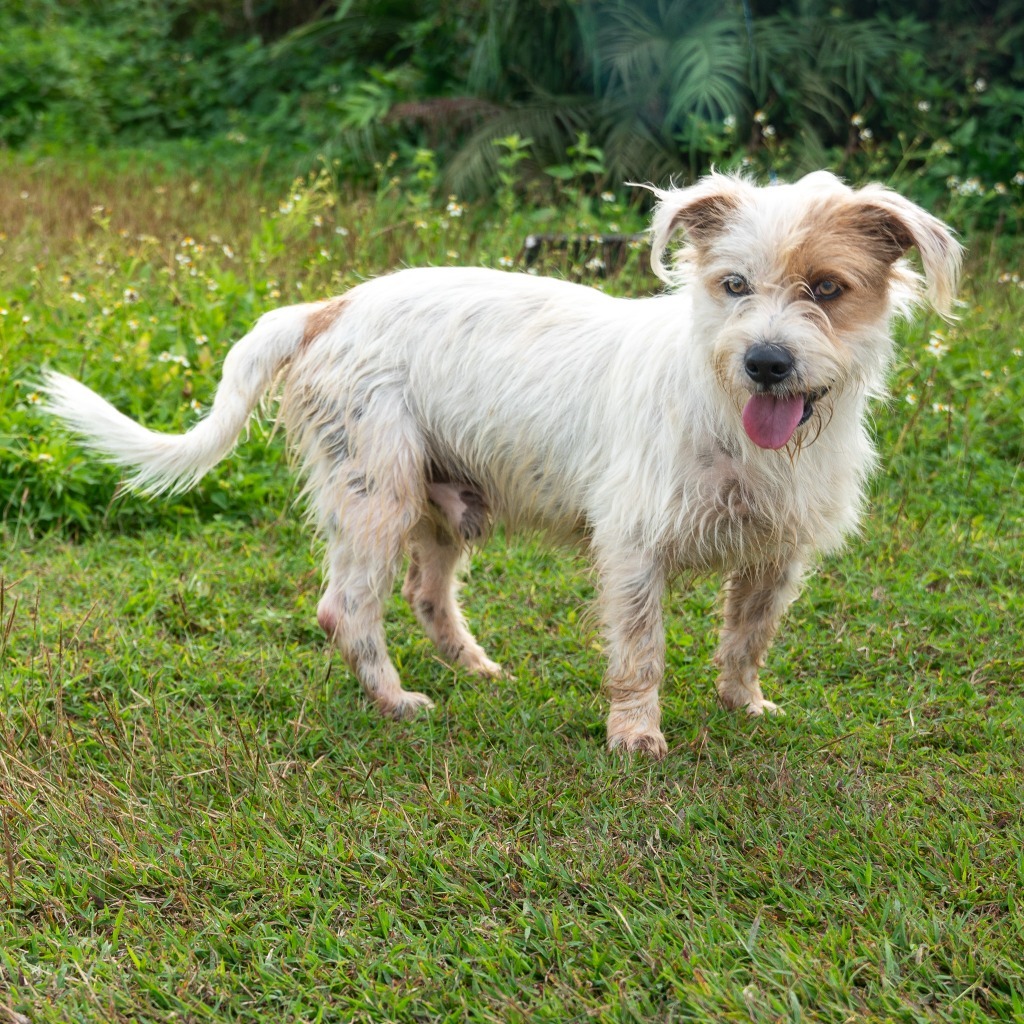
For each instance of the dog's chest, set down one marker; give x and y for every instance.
(726, 488)
(731, 513)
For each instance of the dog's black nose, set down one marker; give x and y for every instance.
(768, 364)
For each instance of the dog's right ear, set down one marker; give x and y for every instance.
(700, 211)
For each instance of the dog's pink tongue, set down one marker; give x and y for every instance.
(770, 421)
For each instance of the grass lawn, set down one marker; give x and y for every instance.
(201, 820)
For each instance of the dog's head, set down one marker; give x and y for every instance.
(794, 287)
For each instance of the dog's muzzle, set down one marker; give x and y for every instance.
(771, 416)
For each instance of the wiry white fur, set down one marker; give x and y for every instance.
(434, 393)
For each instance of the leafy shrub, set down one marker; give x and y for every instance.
(661, 86)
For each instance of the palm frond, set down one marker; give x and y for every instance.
(709, 73)
(552, 123)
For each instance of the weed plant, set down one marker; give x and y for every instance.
(200, 819)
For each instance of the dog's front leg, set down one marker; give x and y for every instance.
(755, 599)
(631, 591)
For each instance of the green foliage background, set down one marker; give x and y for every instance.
(934, 92)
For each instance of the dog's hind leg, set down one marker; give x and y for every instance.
(430, 588)
(351, 612)
(630, 600)
(755, 599)
(368, 507)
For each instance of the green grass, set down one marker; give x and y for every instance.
(202, 820)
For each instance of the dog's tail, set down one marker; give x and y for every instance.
(169, 463)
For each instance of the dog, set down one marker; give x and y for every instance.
(717, 427)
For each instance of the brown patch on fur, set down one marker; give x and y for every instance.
(847, 244)
(321, 319)
(474, 521)
(706, 216)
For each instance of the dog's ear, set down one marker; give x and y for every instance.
(895, 225)
(701, 211)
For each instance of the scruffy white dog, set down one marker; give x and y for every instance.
(717, 427)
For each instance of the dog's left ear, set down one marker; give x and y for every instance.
(701, 210)
(895, 225)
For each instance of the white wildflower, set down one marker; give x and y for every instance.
(170, 357)
(937, 345)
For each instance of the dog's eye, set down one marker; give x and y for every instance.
(826, 289)
(735, 284)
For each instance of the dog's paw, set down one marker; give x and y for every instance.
(737, 694)
(484, 667)
(407, 705)
(764, 707)
(650, 744)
